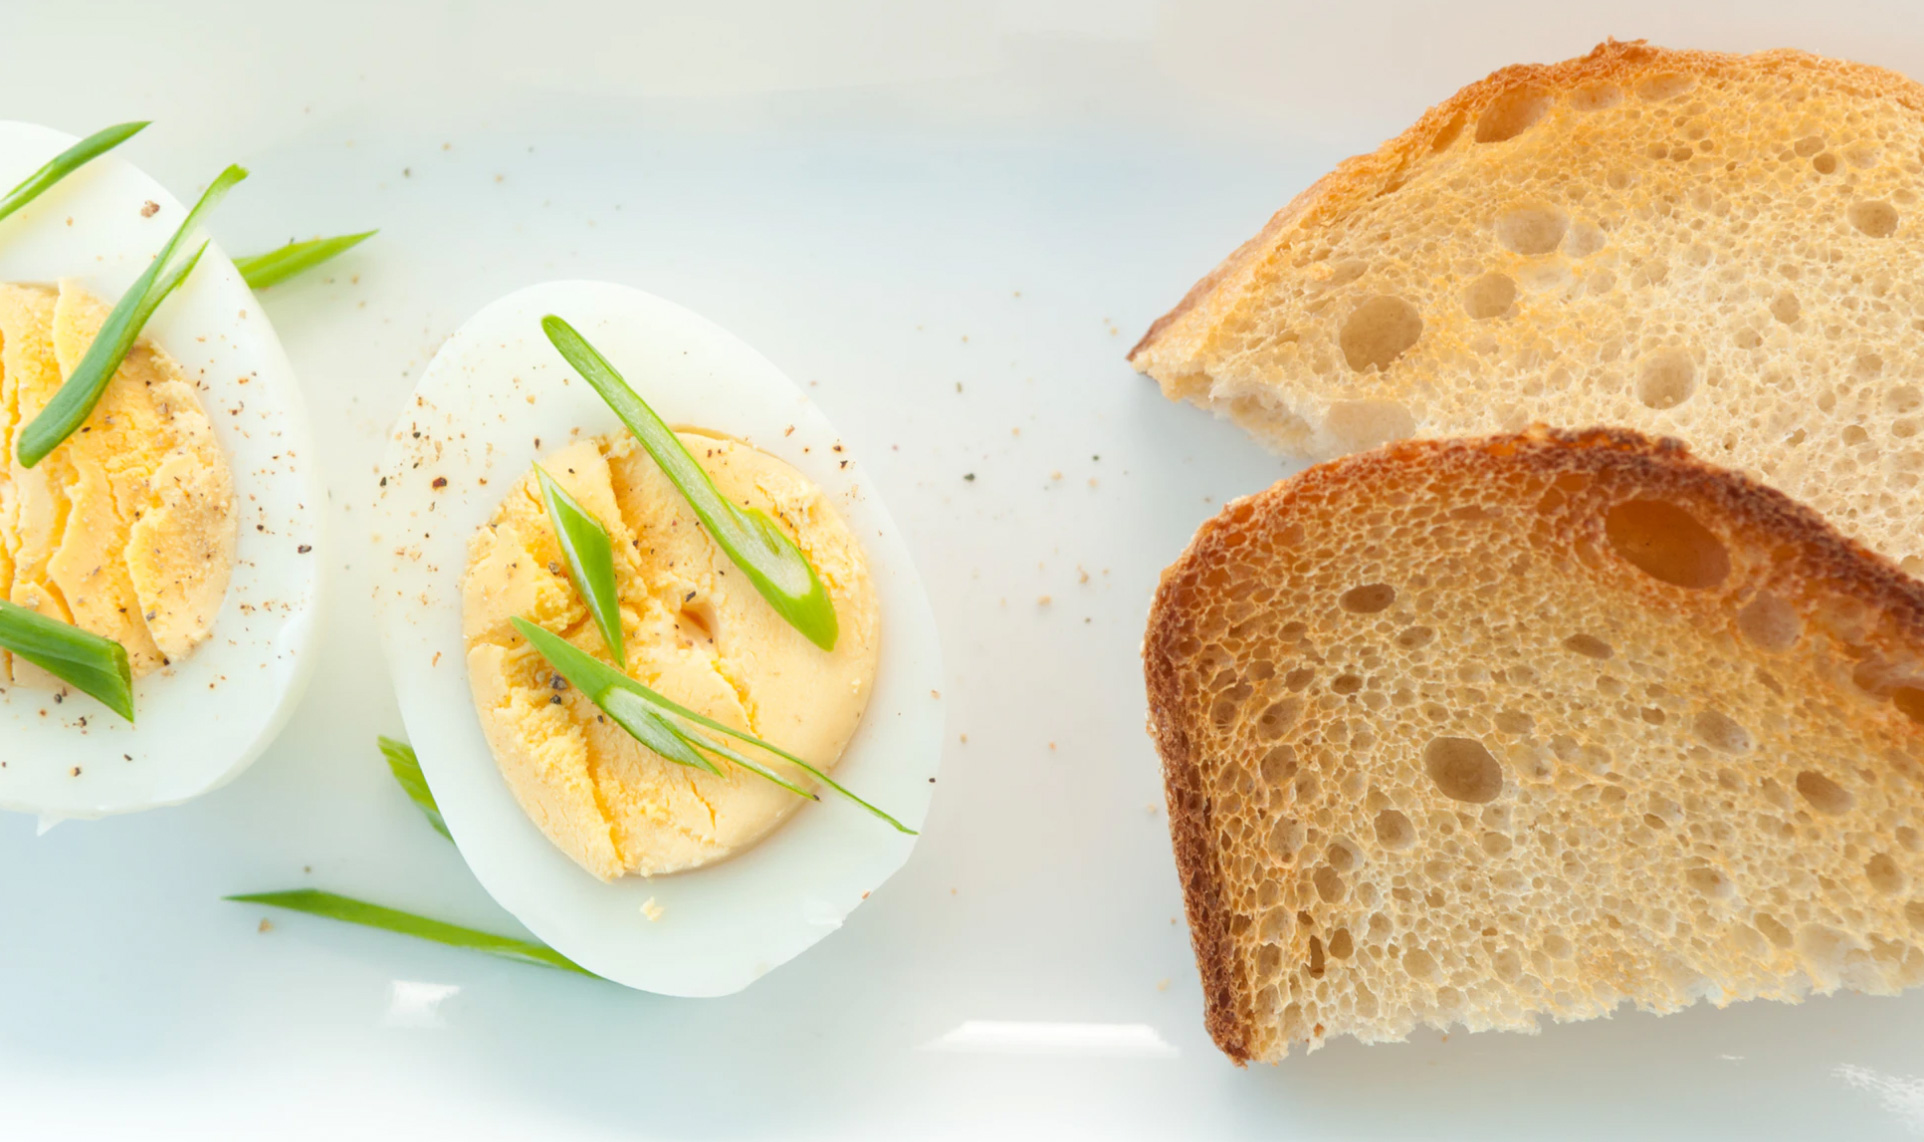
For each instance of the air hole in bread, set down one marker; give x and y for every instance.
(1277, 717)
(1415, 638)
(1773, 930)
(1341, 857)
(1667, 543)
(1901, 399)
(1448, 134)
(1596, 97)
(1379, 331)
(1489, 296)
(1394, 831)
(1346, 683)
(1278, 765)
(1285, 838)
(1666, 379)
(1825, 163)
(1709, 882)
(1463, 770)
(1769, 623)
(1659, 88)
(1720, 732)
(1808, 146)
(1785, 307)
(1341, 944)
(1531, 230)
(1590, 646)
(1514, 723)
(1910, 702)
(1369, 598)
(1823, 794)
(1512, 113)
(1583, 240)
(1873, 219)
(1315, 957)
(1878, 677)
(1329, 884)
(1884, 874)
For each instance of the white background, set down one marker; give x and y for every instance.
(889, 200)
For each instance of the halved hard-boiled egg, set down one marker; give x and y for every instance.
(658, 875)
(182, 519)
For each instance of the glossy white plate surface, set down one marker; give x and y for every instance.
(887, 201)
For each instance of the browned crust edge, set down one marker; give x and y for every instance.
(1361, 178)
(1826, 553)
(1192, 833)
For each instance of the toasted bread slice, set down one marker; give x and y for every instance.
(1728, 249)
(1467, 733)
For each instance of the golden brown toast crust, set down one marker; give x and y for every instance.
(1363, 177)
(1810, 561)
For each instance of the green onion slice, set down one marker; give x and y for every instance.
(90, 663)
(406, 769)
(75, 401)
(263, 270)
(591, 560)
(67, 162)
(752, 540)
(657, 722)
(314, 902)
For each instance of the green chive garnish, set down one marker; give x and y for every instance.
(70, 407)
(752, 540)
(591, 560)
(658, 723)
(90, 663)
(314, 902)
(406, 769)
(263, 270)
(67, 162)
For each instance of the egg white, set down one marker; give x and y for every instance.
(497, 397)
(204, 719)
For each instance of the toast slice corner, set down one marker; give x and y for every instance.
(1470, 733)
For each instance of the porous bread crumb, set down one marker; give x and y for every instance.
(1728, 249)
(127, 528)
(1468, 733)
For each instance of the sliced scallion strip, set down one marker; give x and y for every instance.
(406, 769)
(752, 541)
(591, 561)
(263, 270)
(67, 162)
(660, 724)
(90, 663)
(70, 407)
(314, 902)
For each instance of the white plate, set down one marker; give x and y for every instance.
(722, 927)
(201, 722)
(860, 190)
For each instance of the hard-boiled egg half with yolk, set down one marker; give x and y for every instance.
(181, 519)
(645, 869)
